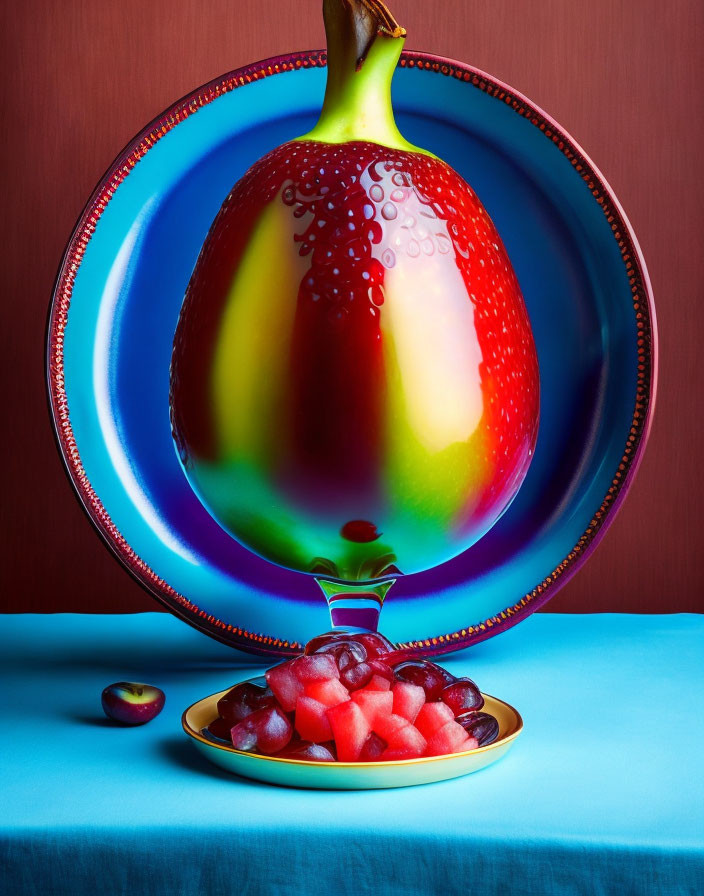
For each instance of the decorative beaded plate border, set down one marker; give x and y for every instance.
(643, 309)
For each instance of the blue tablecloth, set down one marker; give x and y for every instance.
(602, 793)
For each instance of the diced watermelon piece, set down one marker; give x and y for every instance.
(406, 743)
(377, 683)
(398, 754)
(451, 738)
(431, 717)
(470, 744)
(408, 699)
(284, 684)
(311, 720)
(373, 703)
(350, 729)
(330, 692)
(318, 667)
(373, 747)
(387, 726)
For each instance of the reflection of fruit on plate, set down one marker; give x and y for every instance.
(352, 700)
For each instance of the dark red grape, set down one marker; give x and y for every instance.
(373, 747)
(314, 645)
(354, 677)
(309, 752)
(219, 729)
(243, 700)
(374, 643)
(264, 731)
(462, 696)
(330, 747)
(480, 725)
(429, 676)
(381, 668)
(346, 652)
(132, 703)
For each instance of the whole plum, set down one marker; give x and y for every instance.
(132, 703)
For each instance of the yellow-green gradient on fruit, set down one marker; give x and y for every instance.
(252, 344)
(436, 450)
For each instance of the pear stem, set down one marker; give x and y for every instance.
(364, 45)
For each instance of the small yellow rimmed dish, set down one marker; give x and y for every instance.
(349, 775)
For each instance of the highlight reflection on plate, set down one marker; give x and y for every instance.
(119, 292)
(350, 775)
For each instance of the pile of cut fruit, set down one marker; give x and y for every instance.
(352, 697)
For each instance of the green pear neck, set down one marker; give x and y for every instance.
(363, 52)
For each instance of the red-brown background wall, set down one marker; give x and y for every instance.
(81, 77)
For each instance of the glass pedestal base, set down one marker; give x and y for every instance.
(355, 607)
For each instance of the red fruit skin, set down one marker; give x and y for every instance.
(264, 731)
(360, 215)
(350, 729)
(132, 703)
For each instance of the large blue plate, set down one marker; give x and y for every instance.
(117, 301)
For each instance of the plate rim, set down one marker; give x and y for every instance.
(646, 337)
(423, 760)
